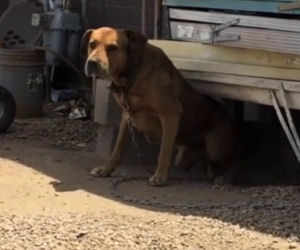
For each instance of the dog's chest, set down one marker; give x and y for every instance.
(140, 115)
(132, 103)
(148, 124)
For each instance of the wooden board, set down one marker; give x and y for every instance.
(243, 93)
(236, 5)
(236, 69)
(242, 81)
(197, 52)
(244, 88)
(271, 40)
(238, 74)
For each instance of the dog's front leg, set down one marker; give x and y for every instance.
(170, 125)
(118, 150)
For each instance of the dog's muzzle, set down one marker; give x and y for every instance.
(93, 68)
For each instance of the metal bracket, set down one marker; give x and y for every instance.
(226, 25)
(213, 36)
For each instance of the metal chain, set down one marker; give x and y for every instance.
(240, 205)
(132, 134)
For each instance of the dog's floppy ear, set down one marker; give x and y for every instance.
(84, 42)
(136, 38)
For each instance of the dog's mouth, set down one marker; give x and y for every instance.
(95, 69)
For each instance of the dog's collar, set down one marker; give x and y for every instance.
(123, 85)
(116, 89)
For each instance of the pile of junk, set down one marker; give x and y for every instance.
(39, 58)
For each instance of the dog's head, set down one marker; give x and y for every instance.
(110, 51)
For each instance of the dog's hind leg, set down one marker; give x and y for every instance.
(222, 154)
(186, 157)
(180, 156)
(118, 150)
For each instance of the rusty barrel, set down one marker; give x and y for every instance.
(21, 72)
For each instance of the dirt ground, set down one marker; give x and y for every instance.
(48, 201)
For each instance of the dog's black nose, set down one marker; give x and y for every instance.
(91, 67)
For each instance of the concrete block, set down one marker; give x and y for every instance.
(106, 110)
(105, 141)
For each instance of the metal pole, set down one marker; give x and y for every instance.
(144, 16)
(156, 17)
(289, 116)
(84, 14)
(285, 125)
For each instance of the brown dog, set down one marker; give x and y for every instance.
(159, 103)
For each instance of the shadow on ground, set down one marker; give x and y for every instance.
(70, 171)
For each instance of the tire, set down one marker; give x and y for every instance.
(7, 109)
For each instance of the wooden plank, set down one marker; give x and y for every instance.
(198, 51)
(236, 69)
(235, 80)
(244, 20)
(242, 81)
(212, 71)
(241, 5)
(270, 40)
(232, 92)
(242, 93)
(291, 86)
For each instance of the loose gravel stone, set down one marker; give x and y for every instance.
(78, 231)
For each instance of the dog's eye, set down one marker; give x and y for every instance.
(111, 47)
(93, 44)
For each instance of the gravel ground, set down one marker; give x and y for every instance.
(55, 127)
(48, 201)
(117, 232)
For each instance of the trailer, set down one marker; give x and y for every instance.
(241, 50)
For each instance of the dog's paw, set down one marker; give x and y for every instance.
(157, 180)
(100, 172)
